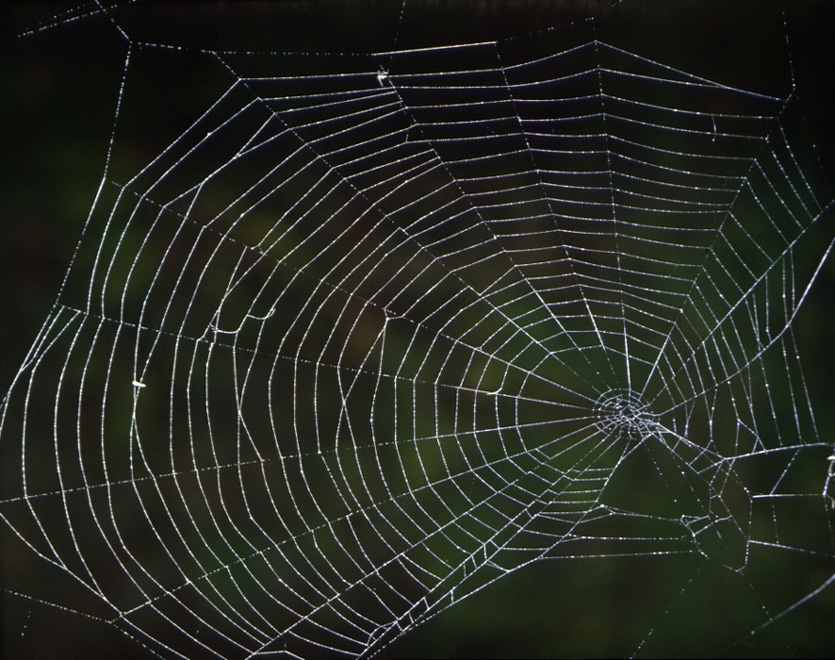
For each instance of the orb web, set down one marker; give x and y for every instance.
(360, 333)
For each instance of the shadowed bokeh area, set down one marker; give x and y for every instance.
(71, 110)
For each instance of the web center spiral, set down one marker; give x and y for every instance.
(624, 415)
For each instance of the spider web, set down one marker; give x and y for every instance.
(351, 333)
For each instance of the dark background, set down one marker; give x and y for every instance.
(58, 90)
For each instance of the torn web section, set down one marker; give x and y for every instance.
(736, 345)
(648, 163)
